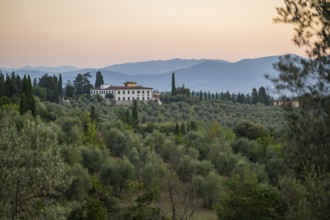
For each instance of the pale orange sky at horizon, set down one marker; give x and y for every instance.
(98, 33)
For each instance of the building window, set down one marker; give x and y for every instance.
(128, 98)
(148, 98)
(138, 92)
(148, 91)
(127, 92)
(123, 92)
(133, 98)
(142, 91)
(124, 98)
(118, 98)
(118, 92)
(142, 98)
(133, 92)
(138, 98)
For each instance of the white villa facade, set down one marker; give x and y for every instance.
(125, 94)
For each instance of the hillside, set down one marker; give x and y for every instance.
(209, 75)
(155, 66)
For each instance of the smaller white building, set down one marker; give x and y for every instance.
(124, 94)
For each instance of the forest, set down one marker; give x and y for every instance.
(65, 154)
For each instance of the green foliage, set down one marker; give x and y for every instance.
(31, 170)
(308, 133)
(246, 199)
(71, 130)
(166, 167)
(4, 100)
(92, 158)
(51, 85)
(307, 198)
(250, 130)
(90, 136)
(40, 92)
(96, 210)
(82, 84)
(69, 90)
(116, 173)
(142, 207)
(12, 85)
(80, 185)
(209, 189)
(116, 141)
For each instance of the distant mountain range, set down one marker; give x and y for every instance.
(202, 74)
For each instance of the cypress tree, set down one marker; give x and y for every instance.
(30, 97)
(135, 116)
(60, 84)
(183, 128)
(22, 104)
(193, 126)
(27, 101)
(35, 82)
(2, 84)
(262, 96)
(99, 79)
(94, 115)
(177, 129)
(18, 83)
(173, 84)
(128, 117)
(254, 96)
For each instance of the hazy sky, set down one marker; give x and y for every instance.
(96, 33)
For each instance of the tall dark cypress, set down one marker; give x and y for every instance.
(30, 97)
(254, 96)
(18, 83)
(22, 104)
(99, 79)
(262, 95)
(2, 84)
(27, 101)
(135, 116)
(35, 83)
(60, 84)
(177, 129)
(173, 84)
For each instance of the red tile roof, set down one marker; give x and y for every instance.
(121, 88)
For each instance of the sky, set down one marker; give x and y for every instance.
(98, 33)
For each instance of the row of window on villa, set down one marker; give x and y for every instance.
(133, 92)
(102, 92)
(128, 98)
(119, 92)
